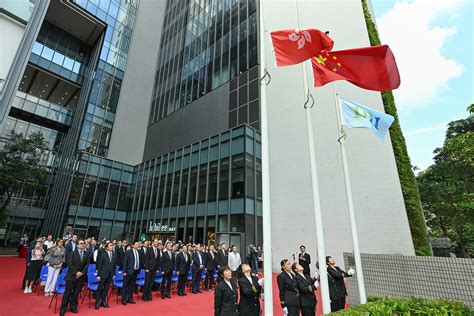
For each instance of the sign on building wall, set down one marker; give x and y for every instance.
(158, 228)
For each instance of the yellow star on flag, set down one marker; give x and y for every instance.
(321, 60)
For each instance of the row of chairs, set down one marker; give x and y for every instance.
(93, 283)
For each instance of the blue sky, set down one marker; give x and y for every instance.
(433, 44)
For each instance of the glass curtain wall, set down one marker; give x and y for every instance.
(192, 189)
(205, 44)
(103, 99)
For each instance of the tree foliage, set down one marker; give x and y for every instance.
(20, 166)
(447, 187)
(408, 183)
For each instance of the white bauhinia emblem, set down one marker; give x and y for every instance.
(301, 37)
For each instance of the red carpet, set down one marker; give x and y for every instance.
(14, 302)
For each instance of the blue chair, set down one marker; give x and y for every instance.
(118, 282)
(60, 288)
(140, 281)
(92, 267)
(174, 281)
(92, 285)
(158, 279)
(203, 278)
(43, 277)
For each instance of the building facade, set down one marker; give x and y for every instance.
(159, 132)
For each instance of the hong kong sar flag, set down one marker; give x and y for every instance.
(295, 46)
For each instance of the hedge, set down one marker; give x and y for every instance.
(407, 178)
(382, 306)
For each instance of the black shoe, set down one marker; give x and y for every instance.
(180, 294)
(124, 302)
(62, 312)
(74, 311)
(145, 299)
(199, 291)
(168, 295)
(194, 292)
(97, 306)
(162, 297)
(131, 301)
(184, 294)
(105, 305)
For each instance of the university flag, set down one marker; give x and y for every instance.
(356, 115)
(372, 68)
(295, 46)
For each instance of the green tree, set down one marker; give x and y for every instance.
(447, 187)
(408, 183)
(20, 166)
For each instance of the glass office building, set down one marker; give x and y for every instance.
(204, 185)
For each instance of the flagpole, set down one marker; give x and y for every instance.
(350, 203)
(266, 213)
(318, 219)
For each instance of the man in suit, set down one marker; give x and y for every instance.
(167, 266)
(222, 257)
(183, 264)
(152, 264)
(77, 262)
(289, 296)
(120, 252)
(131, 267)
(72, 244)
(198, 265)
(304, 260)
(210, 265)
(105, 274)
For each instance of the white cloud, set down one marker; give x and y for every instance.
(411, 31)
(426, 130)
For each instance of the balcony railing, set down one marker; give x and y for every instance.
(43, 108)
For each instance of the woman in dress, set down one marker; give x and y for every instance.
(34, 261)
(55, 258)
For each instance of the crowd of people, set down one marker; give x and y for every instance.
(237, 290)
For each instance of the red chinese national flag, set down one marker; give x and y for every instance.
(372, 68)
(295, 46)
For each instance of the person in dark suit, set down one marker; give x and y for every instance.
(306, 287)
(196, 268)
(183, 264)
(337, 287)
(152, 264)
(168, 260)
(289, 296)
(105, 274)
(304, 260)
(120, 252)
(225, 295)
(222, 258)
(72, 244)
(210, 265)
(77, 262)
(250, 291)
(131, 266)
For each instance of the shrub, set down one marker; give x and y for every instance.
(382, 306)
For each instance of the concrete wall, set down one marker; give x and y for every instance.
(205, 117)
(405, 276)
(131, 120)
(11, 31)
(378, 201)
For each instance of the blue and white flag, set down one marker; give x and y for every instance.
(356, 115)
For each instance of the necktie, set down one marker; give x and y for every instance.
(136, 260)
(185, 257)
(80, 253)
(110, 256)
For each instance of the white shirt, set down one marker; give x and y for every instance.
(250, 279)
(229, 284)
(48, 244)
(234, 261)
